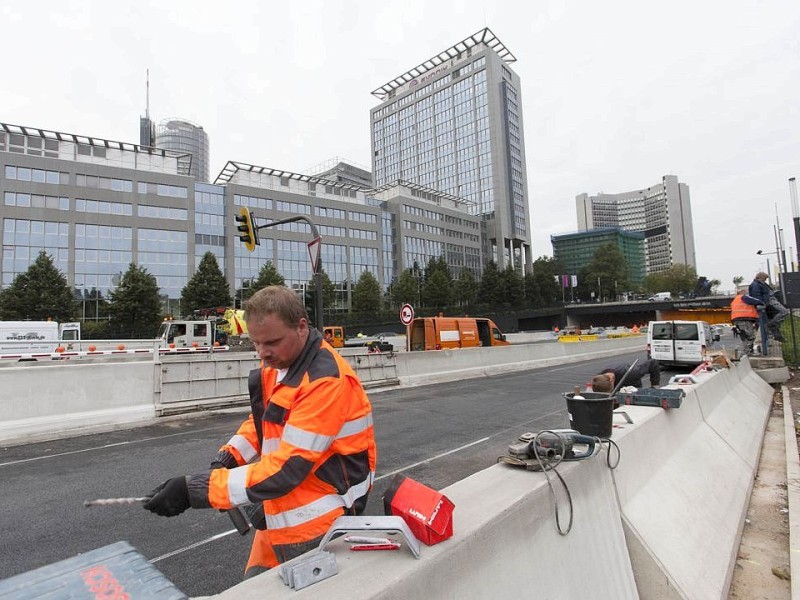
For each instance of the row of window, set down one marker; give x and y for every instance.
(36, 175)
(35, 201)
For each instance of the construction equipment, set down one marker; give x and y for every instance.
(537, 451)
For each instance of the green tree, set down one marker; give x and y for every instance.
(367, 295)
(678, 279)
(38, 294)
(267, 275)
(405, 289)
(606, 274)
(328, 289)
(737, 281)
(466, 289)
(489, 290)
(437, 291)
(135, 305)
(512, 287)
(546, 281)
(207, 288)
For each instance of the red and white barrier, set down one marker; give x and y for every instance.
(118, 352)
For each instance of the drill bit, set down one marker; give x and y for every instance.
(115, 501)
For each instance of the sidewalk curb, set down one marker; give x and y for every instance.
(792, 491)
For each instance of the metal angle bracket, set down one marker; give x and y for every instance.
(308, 569)
(389, 524)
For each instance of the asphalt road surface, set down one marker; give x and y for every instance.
(436, 434)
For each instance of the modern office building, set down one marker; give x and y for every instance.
(383, 231)
(454, 123)
(180, 135)
(96, 206)
(576, 250)
(662, 212)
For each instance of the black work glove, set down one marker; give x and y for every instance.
(255, 512)
(169, 499)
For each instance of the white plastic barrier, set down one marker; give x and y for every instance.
(665, 524)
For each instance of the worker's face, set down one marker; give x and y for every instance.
(277, 343)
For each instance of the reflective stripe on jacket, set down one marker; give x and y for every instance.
(741, 310)
(307, 451)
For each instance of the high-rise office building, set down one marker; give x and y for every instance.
(180, 135)
(454, 123)
(662, 212)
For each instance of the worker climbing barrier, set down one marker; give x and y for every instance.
(666, 523)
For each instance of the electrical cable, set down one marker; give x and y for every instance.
(551, 465)
(610, 443)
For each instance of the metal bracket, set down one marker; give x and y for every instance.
(308, 569)
(624, 415)
(391, 524)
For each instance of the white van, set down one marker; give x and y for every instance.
(679, 342)
(660, 296)
(25, 337)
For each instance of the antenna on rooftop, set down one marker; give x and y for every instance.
(147, 107)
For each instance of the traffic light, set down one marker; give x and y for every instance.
(247, 231)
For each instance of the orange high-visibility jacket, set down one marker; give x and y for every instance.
(307, 452)
(741, 310)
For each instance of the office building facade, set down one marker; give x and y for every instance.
(454, 124)
(96, 206)
(662, 212)
(576, 250)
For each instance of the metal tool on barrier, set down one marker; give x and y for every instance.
(390, 524)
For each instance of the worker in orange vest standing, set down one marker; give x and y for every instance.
(744, 316)
(305, 456)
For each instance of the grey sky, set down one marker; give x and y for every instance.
(615, 94)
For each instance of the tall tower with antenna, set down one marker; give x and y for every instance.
(147, 128)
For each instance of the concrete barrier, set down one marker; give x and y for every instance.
(665, 524)
(38, 401)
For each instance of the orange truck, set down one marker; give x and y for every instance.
(439, 333)
(334, 335)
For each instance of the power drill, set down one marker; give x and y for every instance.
(550, 446)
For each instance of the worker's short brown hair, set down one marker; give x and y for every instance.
(275, 300)
(602, 383)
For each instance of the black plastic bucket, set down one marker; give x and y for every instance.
(591, 414)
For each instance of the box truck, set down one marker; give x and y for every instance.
(29, 337)
(439, 333)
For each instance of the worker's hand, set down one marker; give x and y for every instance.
(255, 512)
(169, 499)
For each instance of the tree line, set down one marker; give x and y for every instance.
(134, 309)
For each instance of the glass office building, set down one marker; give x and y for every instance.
(454, 124)
(662, 212)
(576, 250)
(179, 135)
(96, 206)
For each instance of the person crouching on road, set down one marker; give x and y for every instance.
(744, 317)
(305, 456)
(608, 378)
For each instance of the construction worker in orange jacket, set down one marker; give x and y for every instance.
(744, 316)
(305, 456)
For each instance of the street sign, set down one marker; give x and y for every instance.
(313, 252)
(406, 314)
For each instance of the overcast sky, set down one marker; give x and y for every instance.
(615, 93)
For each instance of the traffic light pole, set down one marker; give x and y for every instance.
(317, 270)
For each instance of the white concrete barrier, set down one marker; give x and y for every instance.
(505, 545)
(37, 401)
(665, 524)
